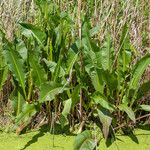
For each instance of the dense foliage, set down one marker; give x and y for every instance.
(83, 72)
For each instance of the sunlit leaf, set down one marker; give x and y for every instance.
(84, 141)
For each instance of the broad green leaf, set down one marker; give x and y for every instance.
(110, 80)
(95, 30)
(123, 56)
(105, 119)
(67, 107)
(143, 89)
(72, 57)
(56, 74)
(138, 70)
(39, 75)
(145, 107)
(28, 111)
(107, 54)
(84, 141)
(16, 65)
(52, 66)
(59, 36)
(48, 91)
(21, 48)
(65, 112)
(98, 98)
(18, 102)
(75, 95)
(36, 32)
(129, 111)
(125, 49)
(91, 60)
(96, 78)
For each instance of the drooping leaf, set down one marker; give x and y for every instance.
(129, 111)
(48, 91)
(84, 141)
(105, 119)
(65, 112)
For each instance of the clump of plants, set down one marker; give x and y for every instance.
(62, 66)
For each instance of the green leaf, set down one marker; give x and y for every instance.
(144, 89)
(56, 74)
(98, 98)
(21, 48)
(91, 60)
(110, 80)
(95, 30)
(39, 75)
(28, 111)
(52, 66)
(16, 65)
(18, 102)
(84, 141)
(125, 50)
(65, 112)
(145, 107)
(105, 119)
(36, 32)
(107, 54)
(138, 70)
(48, 91)
(96, 78)
(75, 95)
(72, 57)
(129, 111)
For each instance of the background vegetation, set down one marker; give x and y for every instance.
(80, 65)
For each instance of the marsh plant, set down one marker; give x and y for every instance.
(80, 61)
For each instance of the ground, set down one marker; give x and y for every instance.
(37, 140)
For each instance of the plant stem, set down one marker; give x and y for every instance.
(124, 124)
(81, 55)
